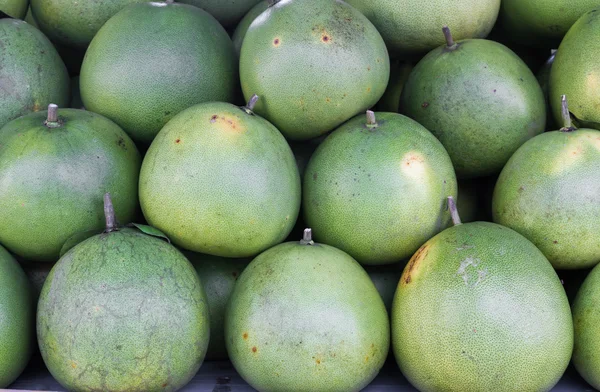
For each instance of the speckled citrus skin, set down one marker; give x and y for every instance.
(32, 73)
(17, 319)
(314, 63)
(123, 311)
(220, 181)
(378, 193)
(306, 318)
(74, 23)
(480, 100)
(413, 26)
(576, 71)
(549, 192)
(227, 12)
(53, 179)
(479, 308)
(15, 8)
(151, 61)
(242, 27)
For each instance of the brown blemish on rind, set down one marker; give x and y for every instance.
(413, 264)
(229, 124)
(178, 141)
(412, 159)
(276, 42)
(245, 335)
(254, 349)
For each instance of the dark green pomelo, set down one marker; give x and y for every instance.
(123, 311)
(306, 317)
(37, 274)
(479, 308)
(576, 72)
(242, 27)
(542, 22)
(17, 319)
(390, 101)
(227, 12)
(479, 99)
(151, 61)
(468, 200)
(412, 26)
(386, 278)
(76, 102)
(220, 180)
(53, 176)
(378, 191)
(15, 8)
(32, 75)
(313, 70)
(218, 276)
(29, 18)
(75, 23)
(543, 77)
(549, 192)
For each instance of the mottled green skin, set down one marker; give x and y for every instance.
(414, 26)
(151, 61)
(386, 278)
(242, 27)
(218, 276)
(378, 193)
(17, 319)
(220, 181)
(32, 74)
(480, 100)
(479, 308)
(576, 72)
(549, 192)
(53, 180)
(306, 318)
(390, 101)
(313, 71)
(227, 12)
(123, 311)
(15, 8)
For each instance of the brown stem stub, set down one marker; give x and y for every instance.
(307, 237)
(566, 116)
(52, 113)
(109, 214)
(449, 40)
(453, 211)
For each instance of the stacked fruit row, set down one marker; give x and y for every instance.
(154, 222)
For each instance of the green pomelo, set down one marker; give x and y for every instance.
(412, 26)
(30, 19)
(75, 23)
(313, 70)
(378, 191)
(17, 319)
(390, 101)
(15, 8)
(479, 308)
(222, 181)
(218, 277)
(151, 61)
(576, 72)
(227, 12)
(479, 99)
(306, 317)
(242, 27)
(123, 311)
(303, 152)
(386, 278)
(53, 175)
(32, 75)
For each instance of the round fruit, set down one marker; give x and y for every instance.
(75, 23)
(412, 26)
(123, 311)
(17, 319)
(479, 99)
(151, 61)
(576, 70)
(480, 308)
(15, 8)
(242, 27)
(386, 278)
(306, 317)
(32, 75)
(218, 277)
(377, 189)
(220, 180)
(549, 192)
(227, 12)
(52, 173)
(313, 70)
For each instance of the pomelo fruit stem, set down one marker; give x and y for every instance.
(453, 211)
(169, 1)
(566, 116)
(307, 238)
(109, 214)
(52, 112)
(371, 120)
(449, 40)
(252, 102)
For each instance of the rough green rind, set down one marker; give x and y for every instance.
(386, 278)
(480, 100)
(549, 192)
(123, 311)
(15, 8)
(151, 61)
(220, 181)
(576, 72)
(313, 71)
(32, 74)
(306, 318)
(479, 308)
(242, 27)
(227, 12)
(53, 180)
(414, 26)
(378, 194)
(218, 276)
(17, 319)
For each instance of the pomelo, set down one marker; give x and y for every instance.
(386, 278)
(242, 27)
(227, 12)
(15, 8)
(306, 317)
